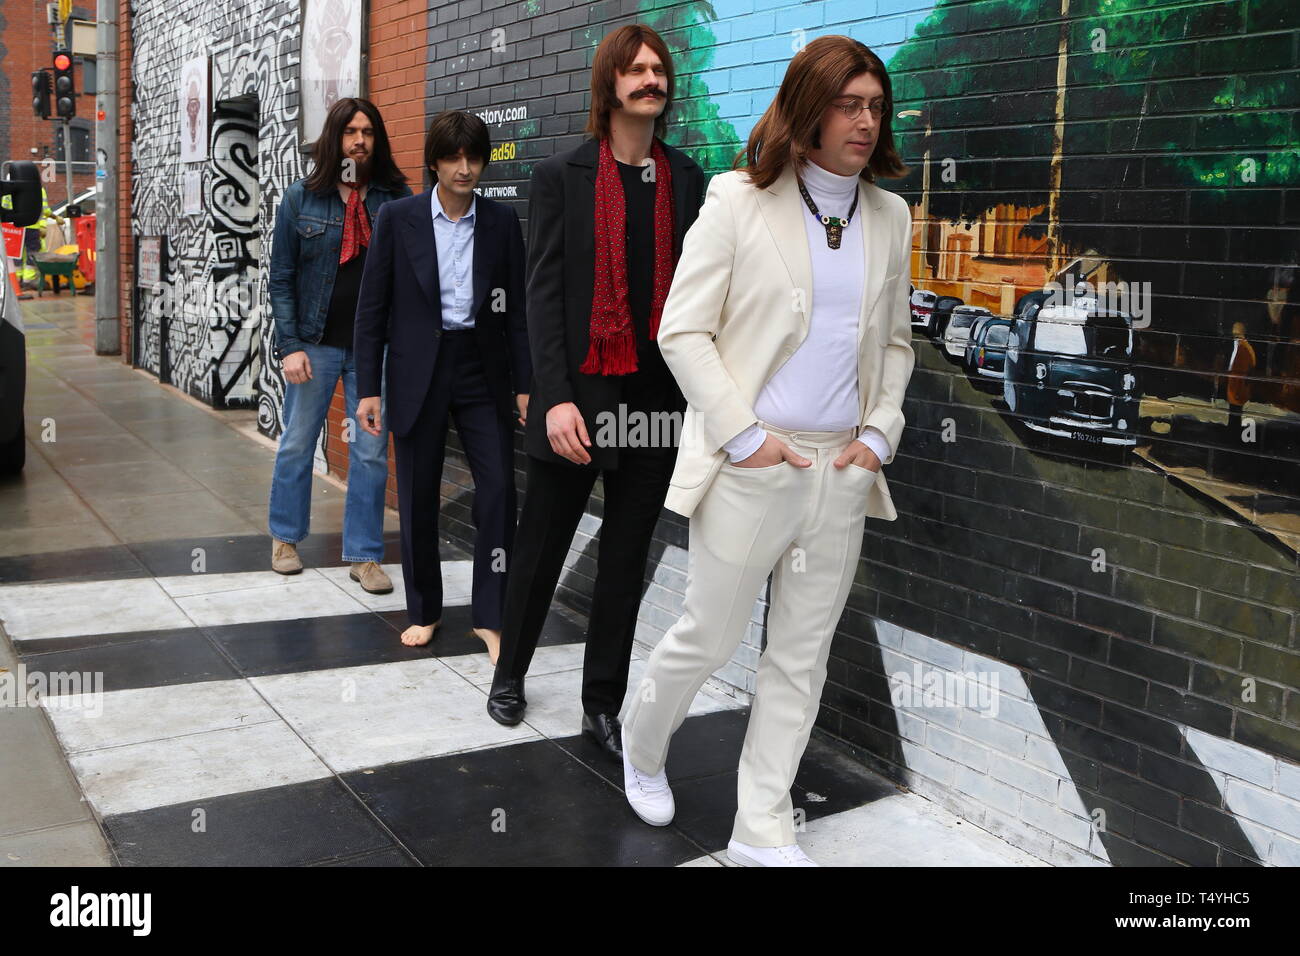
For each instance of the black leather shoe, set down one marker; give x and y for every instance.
(606, 731)
(506, 701)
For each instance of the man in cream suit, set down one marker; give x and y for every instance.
(788, 330)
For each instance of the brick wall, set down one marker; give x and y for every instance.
(26, 44)
(1086, 646)
(125, 169)
(26, 47)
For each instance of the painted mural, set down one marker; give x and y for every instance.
(1099, 485)
(234, 248)
(1180, 343)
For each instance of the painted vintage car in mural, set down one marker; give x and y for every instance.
(943, 307)
(923, 309)
(959, 327)
(1069, 372)
(931, 311)
(986, 349)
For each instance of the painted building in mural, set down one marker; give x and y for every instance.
(1081, 632)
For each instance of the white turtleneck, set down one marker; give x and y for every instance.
(817, 388)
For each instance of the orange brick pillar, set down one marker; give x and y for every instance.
(126, 132)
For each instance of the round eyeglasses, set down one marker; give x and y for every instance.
(852, 108)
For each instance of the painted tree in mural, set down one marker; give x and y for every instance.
(697, 129)
(694, 125)
(980, 102)
(1244, 146)
(1145, 140)
(1253, 127)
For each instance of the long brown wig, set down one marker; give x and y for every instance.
(327, 152)
(790, 126)
(617, 52)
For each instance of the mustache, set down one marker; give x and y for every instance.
(642, 94)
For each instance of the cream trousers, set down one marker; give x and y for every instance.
(804, 526)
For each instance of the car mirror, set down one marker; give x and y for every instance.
(20, 188)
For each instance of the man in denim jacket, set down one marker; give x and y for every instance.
(322, 229)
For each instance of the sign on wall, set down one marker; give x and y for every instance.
(194, 110)
(150, 271)
(192, 192)
(333, 59)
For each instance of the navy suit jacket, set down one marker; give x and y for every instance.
(400, 306)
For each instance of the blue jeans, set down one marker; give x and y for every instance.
(305, 407)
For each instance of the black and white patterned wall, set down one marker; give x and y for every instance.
(218, 340)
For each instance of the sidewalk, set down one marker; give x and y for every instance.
(251, 719)
(1200, 427)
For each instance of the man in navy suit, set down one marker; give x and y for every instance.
(443, 289)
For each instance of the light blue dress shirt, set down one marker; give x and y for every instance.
(455, 244)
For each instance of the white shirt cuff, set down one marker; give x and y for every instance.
(746, 443)
(875, 439)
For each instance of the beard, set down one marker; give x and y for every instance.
(362, 164)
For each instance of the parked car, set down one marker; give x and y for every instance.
(1069, 372)
(974, 330)
(943, 307)
(20, 205)
(1029, 303)
(986, 348)
(958, 329)
(923, 308)
(85, 200)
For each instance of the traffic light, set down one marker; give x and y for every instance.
(65, 91)
(41, 94)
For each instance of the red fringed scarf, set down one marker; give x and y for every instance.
(613, 338)
(356, 228)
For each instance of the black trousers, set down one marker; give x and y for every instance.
(459, 390)
(556, 498)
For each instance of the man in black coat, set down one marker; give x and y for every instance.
(605, 228)
(443, 289)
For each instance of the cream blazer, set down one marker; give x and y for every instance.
(739, 307)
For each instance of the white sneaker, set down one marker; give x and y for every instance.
(650, 796)
(742, 854)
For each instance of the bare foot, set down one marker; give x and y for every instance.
(417, 635)
(493, 641)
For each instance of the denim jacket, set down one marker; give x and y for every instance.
(305, 259)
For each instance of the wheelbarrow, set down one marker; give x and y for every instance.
(56, 265)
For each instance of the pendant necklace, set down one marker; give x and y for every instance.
(833, 225)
